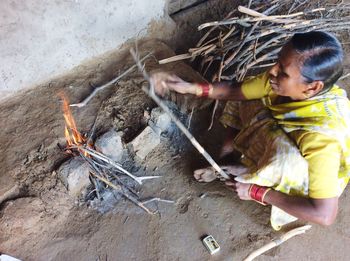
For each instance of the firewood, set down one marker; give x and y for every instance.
(277, 242)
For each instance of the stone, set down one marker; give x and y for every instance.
(74, 174)
(145, 142)
(4, 257)
(111, 145)
(160, 121)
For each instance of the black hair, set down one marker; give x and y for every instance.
(322, 57)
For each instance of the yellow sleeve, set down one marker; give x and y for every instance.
(256, 87)
(230, 115)
(252, 88)
(323, 156)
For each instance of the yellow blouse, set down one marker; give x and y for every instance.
(321, 152)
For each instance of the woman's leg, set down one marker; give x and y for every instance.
(236, 117)
(209, 174)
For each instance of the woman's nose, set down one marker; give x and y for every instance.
(274, 70)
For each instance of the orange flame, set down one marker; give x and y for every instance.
(73, 136)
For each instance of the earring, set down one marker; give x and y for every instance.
(306, 96)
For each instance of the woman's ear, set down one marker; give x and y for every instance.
(314, 88)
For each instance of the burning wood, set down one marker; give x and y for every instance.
(104, 172)
(71, 132)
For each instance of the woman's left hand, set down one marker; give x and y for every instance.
(164, 82)
(241, 189)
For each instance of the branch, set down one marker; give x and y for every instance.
(119, 189)
(87, 99)
(179, 124)
(277, 242)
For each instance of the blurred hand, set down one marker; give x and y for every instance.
(241, 189)
(226, 148)
(164, 82)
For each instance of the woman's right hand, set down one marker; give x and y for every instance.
(164, 82)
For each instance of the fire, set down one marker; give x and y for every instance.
(73, 136)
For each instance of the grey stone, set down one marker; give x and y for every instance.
(145, 142)
(74, 174)
(111, 145)
(160, 121)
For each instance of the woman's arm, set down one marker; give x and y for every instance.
(218, 91)
(320, 211)
(226, 91)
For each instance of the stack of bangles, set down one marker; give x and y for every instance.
(204, 89)
(258, 193)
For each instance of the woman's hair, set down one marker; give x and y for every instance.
(322, 57)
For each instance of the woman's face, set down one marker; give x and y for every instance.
(286, 79)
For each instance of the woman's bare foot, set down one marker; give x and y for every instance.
(205, 175)
(235, 170)
(209, 174)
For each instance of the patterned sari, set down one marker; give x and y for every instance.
(271, 156)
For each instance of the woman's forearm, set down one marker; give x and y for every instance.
(163, 82)
(217, 91)
(226, 91)
(320, 211)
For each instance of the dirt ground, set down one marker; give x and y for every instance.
(39, 221)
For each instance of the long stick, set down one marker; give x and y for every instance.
(232, 56)
(259, 17)
(193, 52)
(176, 58)
(87, 99)
(277, 242)
(114, 164)
(119, 189)
(211, 30)
(179, 124)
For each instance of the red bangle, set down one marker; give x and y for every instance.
(257, 193)
(253, 189)
(205, 89)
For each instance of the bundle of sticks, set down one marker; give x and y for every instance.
(250, 38)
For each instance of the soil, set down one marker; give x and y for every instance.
(39, 221)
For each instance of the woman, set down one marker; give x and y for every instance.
(300, 94)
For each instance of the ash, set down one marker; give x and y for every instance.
(109, 182)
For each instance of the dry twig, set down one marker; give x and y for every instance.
(269, 30)
(97, 89)
(118, 188)
(114, 164)
(277, 242)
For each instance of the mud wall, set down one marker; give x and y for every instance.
(43, 39)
